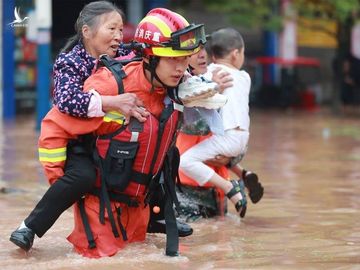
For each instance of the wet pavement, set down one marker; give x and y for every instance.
(309, 217)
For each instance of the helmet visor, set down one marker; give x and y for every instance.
(188, 38)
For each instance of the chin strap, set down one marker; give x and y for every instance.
(151, 66)
(191, 70)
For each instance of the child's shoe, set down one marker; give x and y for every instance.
(256, 190)
(241, 205)
(195, 88)
(214, 102)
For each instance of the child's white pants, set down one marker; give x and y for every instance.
(231, 144)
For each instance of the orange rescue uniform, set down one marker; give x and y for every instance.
(58, 128)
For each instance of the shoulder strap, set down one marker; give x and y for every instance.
(173, 93)
(116, 69)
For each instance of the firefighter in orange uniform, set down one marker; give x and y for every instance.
(129, 158)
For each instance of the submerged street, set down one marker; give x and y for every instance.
(309, 217)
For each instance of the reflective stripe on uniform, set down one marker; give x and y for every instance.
(52, 155)
(115, 117)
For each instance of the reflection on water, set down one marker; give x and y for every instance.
(309, 217)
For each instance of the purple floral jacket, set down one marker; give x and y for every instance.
(71, 69)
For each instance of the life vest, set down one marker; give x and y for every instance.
(133, 154)
(132, 161)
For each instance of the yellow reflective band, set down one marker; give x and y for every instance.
(163, 27)
(114, 116)
(169, 52)
(52, 155)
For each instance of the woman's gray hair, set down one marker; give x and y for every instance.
(90, 15)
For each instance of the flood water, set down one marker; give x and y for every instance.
(309, 217)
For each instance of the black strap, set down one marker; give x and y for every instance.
(152, 184)
(85, 221)
(152, 188)
(173, 93)
(121, 226)
(151, 66)
(170, 170)
(140, 178)
(170, 173)
(124, 62)
(135, 125)
(98, 163)
(154, 181)
(103, 169)
(112, 134)
(172, 233)
(109, 210)
(84, 144)
(104, 196)
(175, 154)
(164, 117)
(116, 69)
(234, 190)
(117, 197)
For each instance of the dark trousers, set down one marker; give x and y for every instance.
(79, 178)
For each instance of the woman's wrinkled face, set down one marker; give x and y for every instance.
(198, 62)
(170, 70)
(105, 36)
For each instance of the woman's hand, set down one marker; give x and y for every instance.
(218, 161)
(127, 104)
(222, 78)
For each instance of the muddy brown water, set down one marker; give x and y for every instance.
(309, 217)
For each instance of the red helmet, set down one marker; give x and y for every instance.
(168, 34)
